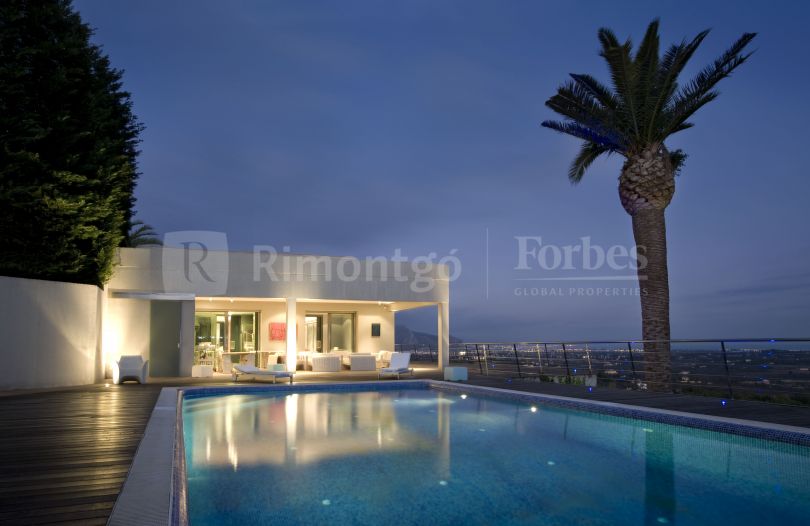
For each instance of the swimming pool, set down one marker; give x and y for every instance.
(412, 454)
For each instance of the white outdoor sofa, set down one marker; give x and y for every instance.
(400, 362)
(360, 362)
(325, 363)
(256, 372)
(130, 367)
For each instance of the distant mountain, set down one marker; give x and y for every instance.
(405, 336)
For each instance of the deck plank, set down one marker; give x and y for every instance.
(64, 453)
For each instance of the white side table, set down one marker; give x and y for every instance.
(455, 374)
(202, 371)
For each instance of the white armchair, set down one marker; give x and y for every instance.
(130, 368)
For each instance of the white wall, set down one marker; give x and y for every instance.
(366, 314)
(50, 333)
(237, 275)
(126, 327)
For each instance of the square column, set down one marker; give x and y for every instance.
(444, 334)
(292, 335)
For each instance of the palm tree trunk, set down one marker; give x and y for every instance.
(650, 233)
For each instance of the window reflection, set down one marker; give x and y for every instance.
(245, 430)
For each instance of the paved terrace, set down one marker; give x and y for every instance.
(64, 453)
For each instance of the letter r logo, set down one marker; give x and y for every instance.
(195, 261)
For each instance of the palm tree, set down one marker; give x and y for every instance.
(644, 106)
(141, 234)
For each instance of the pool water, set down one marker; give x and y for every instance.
(421, 456)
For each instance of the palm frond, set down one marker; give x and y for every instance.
(579, 105)
(671, 66)
(141, 234)
(599, 91)
(623, 74)
(683, 126)
(588, 153)
(699, 91)
(608, 38)
(582, 132)
(645, 64)
(677, 158)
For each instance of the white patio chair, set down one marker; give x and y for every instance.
(131, 367)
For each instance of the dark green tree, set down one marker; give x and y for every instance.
(68, 147)
(642, 108)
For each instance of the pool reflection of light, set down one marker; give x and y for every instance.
(424, 403)
(291, 417)
(231, 407)
(241, 431)
(233, 456)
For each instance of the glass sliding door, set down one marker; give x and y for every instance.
(242, 337)
(209, 337)
(218, 336)
(314, 334)
(243, 328)
(341, 331)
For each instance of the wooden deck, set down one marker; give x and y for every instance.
(64, 453)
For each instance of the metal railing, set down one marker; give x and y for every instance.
(776, 369)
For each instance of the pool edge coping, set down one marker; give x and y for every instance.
(158, 470)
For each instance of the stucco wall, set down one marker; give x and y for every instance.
(241, 275)
(50, 332)
(127, 326)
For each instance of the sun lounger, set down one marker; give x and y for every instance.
(255, 372)
(399, 365)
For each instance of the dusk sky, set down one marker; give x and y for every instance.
(359, 128)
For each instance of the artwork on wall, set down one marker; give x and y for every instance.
(375, 330)
(278, 331)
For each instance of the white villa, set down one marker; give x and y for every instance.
(180, 307)
(184, 307)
